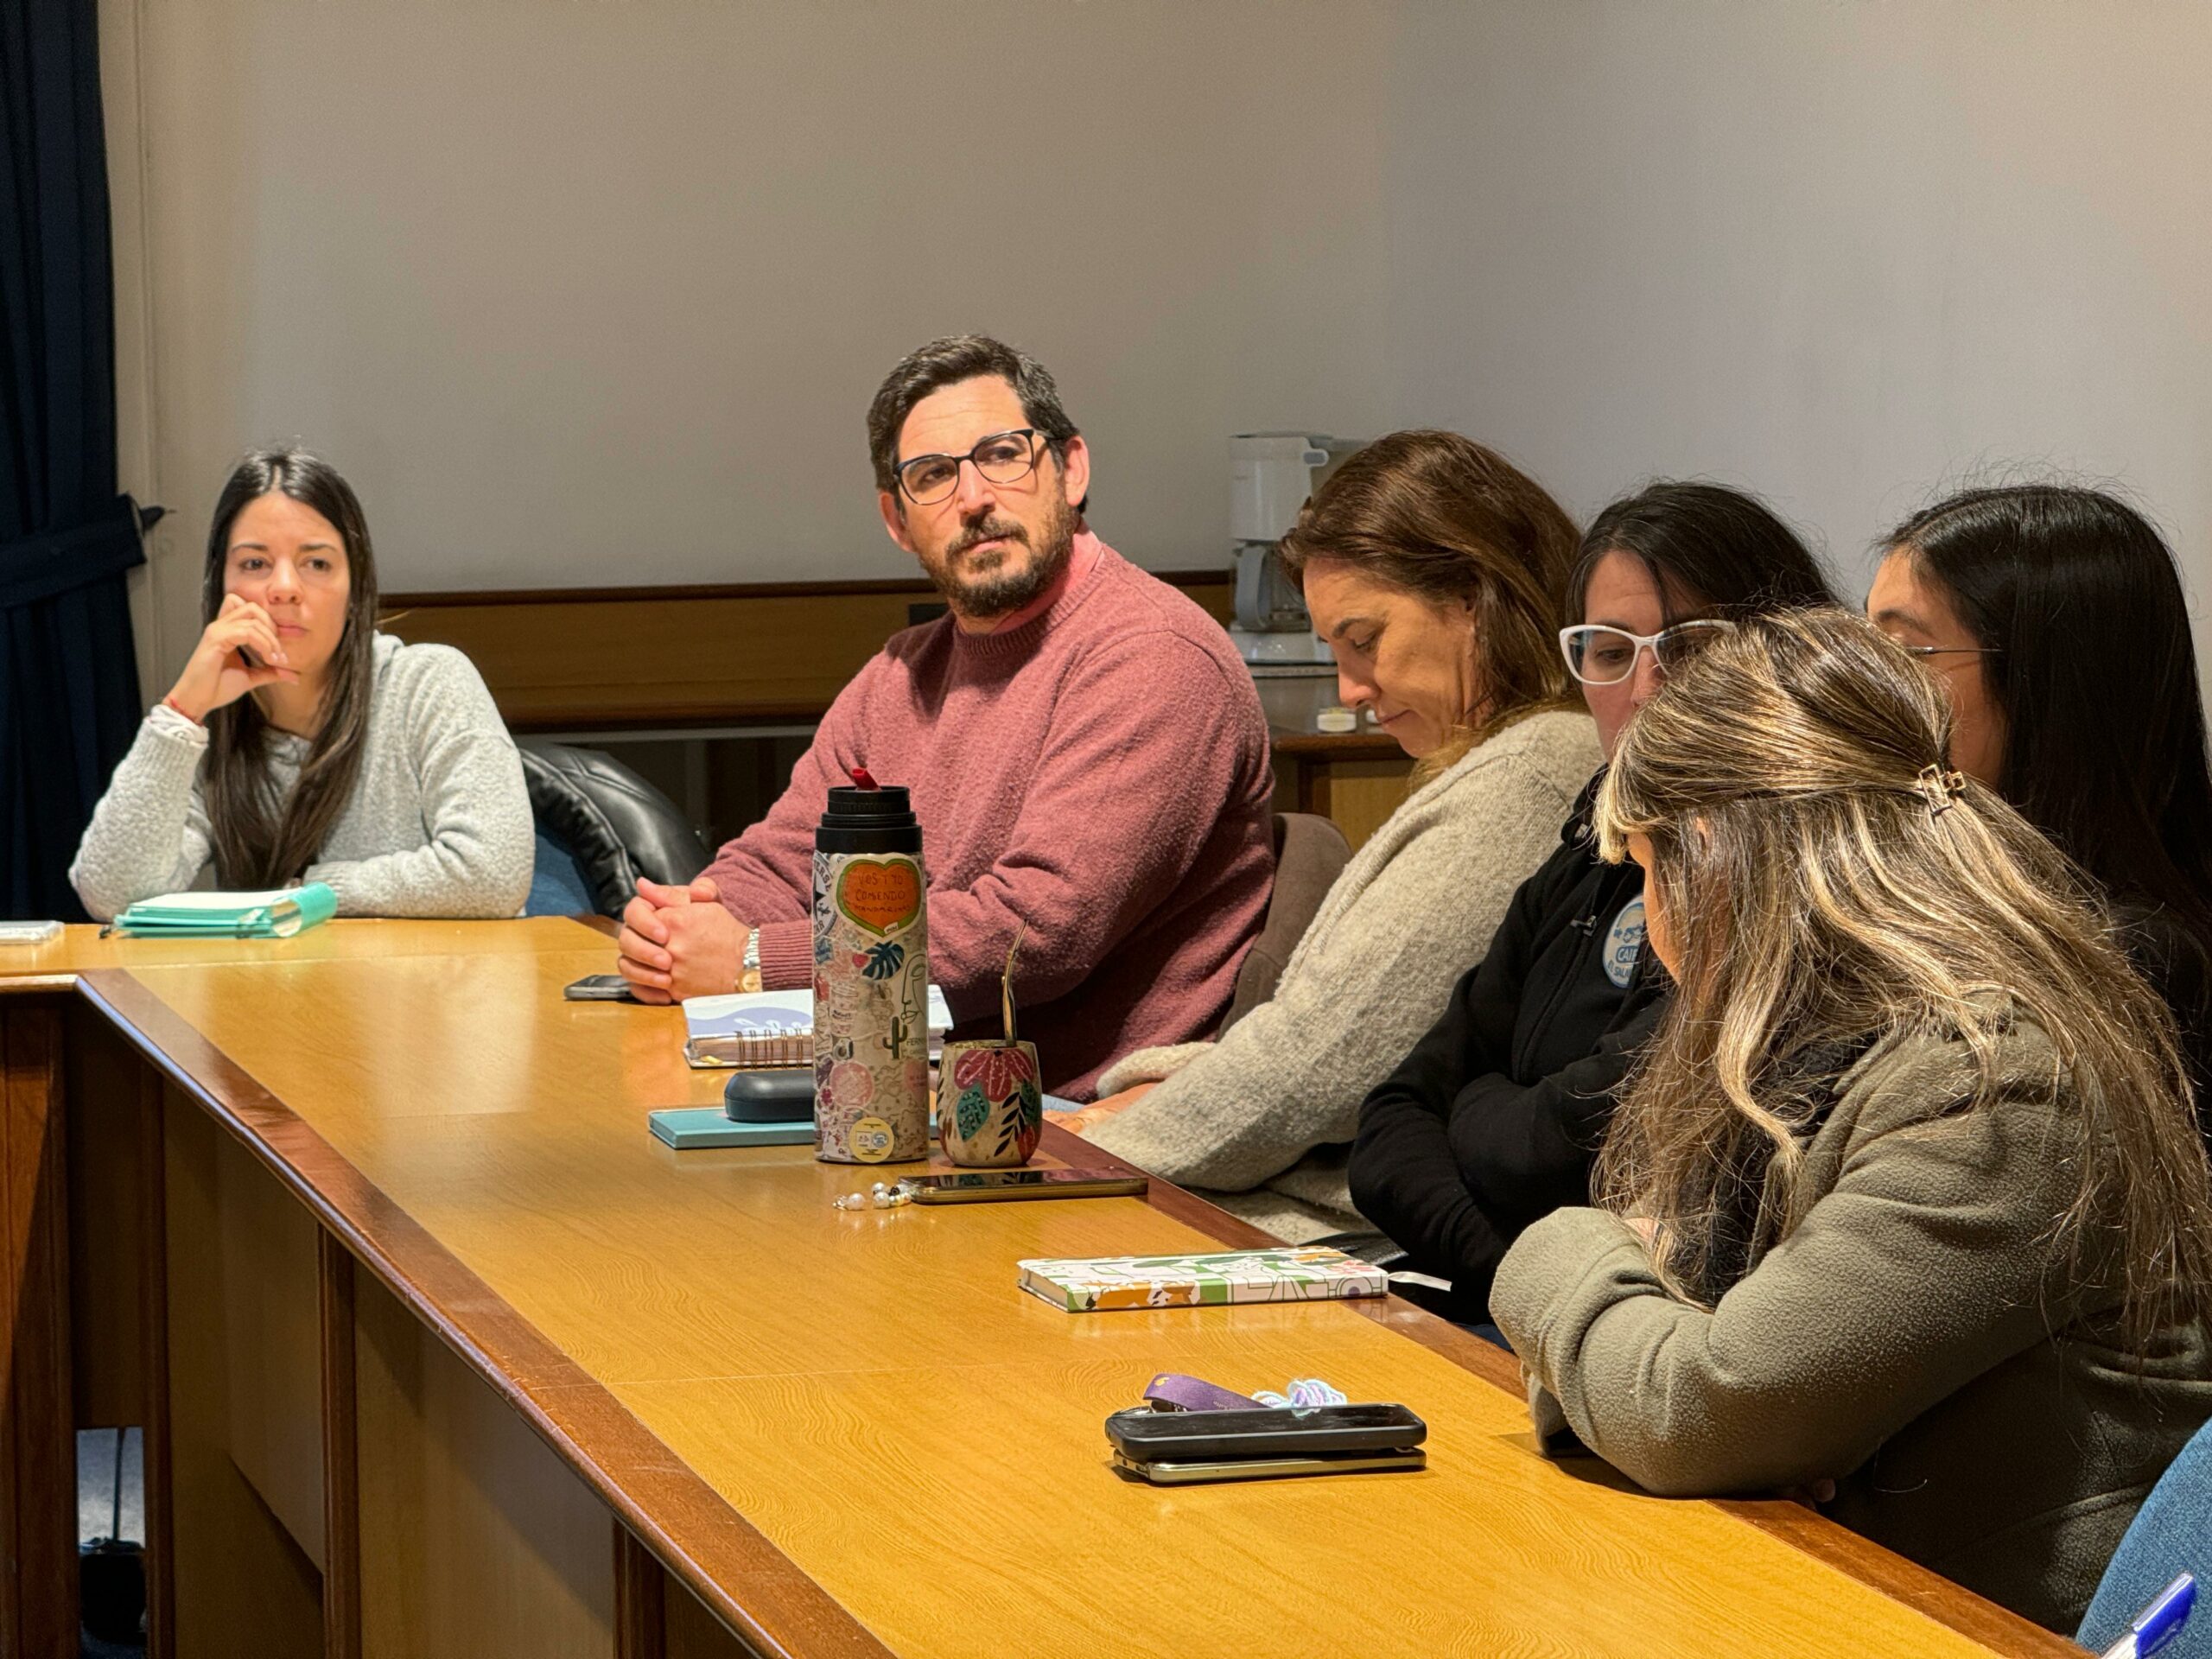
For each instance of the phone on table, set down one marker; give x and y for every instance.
(599, 987)
(1175, 1448)
(997, 1186)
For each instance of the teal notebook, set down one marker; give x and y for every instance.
(683, 1127)
(274, 915)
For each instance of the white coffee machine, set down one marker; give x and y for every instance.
(1271, 474)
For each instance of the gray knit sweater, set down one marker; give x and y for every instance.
(439, 823)
(1262, 1119)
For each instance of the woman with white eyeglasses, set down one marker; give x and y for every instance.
(1491, 1121)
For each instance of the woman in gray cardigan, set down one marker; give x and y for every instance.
(1433, 568)
(1905, 1209)
(301, 745)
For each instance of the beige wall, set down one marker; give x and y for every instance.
(1846, 253)
(582, 293)
(585, 293)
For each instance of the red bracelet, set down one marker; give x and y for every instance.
(172, 703)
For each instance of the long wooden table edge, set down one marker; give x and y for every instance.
(693, 1531)
(1806, 1529)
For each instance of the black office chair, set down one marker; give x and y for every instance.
(599, 827)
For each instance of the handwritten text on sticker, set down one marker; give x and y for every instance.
(881, 896)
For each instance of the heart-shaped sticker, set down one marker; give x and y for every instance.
(881, 895)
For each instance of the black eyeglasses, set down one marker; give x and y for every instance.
(1949, 650)
(1003, 458)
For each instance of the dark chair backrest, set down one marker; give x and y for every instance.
(614, 824)
(1311, 852)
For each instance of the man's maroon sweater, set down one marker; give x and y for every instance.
(1099, 773)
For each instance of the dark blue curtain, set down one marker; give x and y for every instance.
(68, 680)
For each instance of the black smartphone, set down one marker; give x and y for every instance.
(599, 987)
(996, 1186)
(1143, 1435)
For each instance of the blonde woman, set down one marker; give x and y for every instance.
(1433, 567)
(1904, 1207)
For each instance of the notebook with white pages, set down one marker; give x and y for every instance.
(751, 1029)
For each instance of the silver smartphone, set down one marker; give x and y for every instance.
(997, 1186)
(1194, 1473)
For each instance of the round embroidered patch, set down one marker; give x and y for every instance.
(870, 1140)
(1625, 943)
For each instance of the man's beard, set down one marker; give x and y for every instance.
(1002, 590)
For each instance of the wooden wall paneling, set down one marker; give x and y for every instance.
(272, 1338)
(476, 1541)
(38, 1446)
(640, 1598)
(579, 658)
(154, 1317)
(341, 1486)
(107, 1089)
(242, 1583)
(1357, 795)
(118, 1269)
(692, 1632)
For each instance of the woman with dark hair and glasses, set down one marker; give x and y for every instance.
(301, 745)
(2054, 619)
(1494, 1117)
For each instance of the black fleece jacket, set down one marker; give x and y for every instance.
(1492, 1123)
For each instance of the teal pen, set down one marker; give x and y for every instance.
(2158, 1623)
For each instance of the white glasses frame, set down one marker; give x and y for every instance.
(1644, 642)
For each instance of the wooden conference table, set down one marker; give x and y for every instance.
(439, 1351)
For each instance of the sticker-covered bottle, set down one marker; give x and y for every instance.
(871, 981)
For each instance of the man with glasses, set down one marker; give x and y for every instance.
(1086, 753)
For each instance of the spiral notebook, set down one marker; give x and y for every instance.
(747, 1030)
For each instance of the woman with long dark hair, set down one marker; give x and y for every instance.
(301, 745)
(2054, 619)
(1899, 1209)
(1492, 1119)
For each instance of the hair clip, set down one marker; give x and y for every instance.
(1940, 789)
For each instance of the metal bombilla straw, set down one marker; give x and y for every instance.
(1006, 983)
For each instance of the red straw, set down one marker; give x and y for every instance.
(862, 780)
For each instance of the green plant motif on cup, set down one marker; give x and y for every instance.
(1022, 1123)
(990, 1104)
